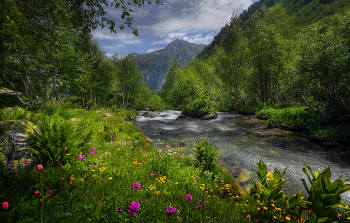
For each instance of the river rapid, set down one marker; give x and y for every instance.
(243, 140)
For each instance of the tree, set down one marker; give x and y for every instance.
(169, 81)
(128, 77)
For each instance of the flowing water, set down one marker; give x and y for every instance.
(243, 140)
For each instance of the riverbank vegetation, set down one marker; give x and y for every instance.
(287, 63)
(112, 173)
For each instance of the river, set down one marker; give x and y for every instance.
(243, 140)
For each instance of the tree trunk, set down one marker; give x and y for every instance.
(87, 106)
(47, 91)
(94, 99)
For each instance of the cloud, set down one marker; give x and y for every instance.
(153, 49)
(198, 39)
(125, 38)
(141, 14)
(170, 37)
(199, 15)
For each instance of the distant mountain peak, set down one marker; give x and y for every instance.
(154, 65)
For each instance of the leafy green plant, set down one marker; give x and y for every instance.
(324, 195)
(199, 107)
(13, 113)
(206, 155)
(54, 135)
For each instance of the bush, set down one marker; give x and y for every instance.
(56, 134)
(206, 155)
(198, 108)
(249, 109)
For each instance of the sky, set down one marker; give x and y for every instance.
(197, 21)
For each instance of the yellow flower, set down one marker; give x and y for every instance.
(274, 216)
(208, 195)
(68, 154)
(176, 182)
(272, 205)
(243, 210)
(288, 218)
(92, 170)
(258, 208)
(110, 178)
(93, 175)
(265, 208)
(258, 201)
(236, 203)
(81, 180)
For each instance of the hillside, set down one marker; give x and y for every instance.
(154, 65)
(304, 13)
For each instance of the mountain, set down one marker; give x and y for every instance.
(155, 65)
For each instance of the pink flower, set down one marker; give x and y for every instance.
(65, 148)
(40, 167)
(70, 182)
(62, 178)
(223, 170)
(223, 155)
(49, 191)
(25, 160)
(218, 155)
(248, 216)
(177, 217)
(71, 176)
(194, 181)
(339, 215)
(89, 143)
(5, 205)
(36, 192)
(222, 181)
(140, 164)
(167, 180)
(15, 171)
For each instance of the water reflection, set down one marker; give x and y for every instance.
(243, 140)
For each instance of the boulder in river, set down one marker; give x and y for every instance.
(149, 114)
(210, 115)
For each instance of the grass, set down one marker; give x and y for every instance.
(102, 186)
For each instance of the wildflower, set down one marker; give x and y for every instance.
(288, 218)
(134, 208)
(36, 192)
(25, 160)
(70, 182)
(136, 185)
(119, 209)
(339, 215)
(222, 181)
(110, 178)
(71, 176)
(200, 204)
(93, 149)
(49, 191)
(5, 205)
(62, 178)
(177, 217)
(218, 155)
(223, 170)
(258, 208)
(65, 148)
(189, 197)
(170, 210)
(40, 167)
(82, 158)
(15, 171)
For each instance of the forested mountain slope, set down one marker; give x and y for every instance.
(304, 12)
(154, 65)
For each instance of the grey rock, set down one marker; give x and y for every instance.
(14, 144)
(211, 115)
(149, 114)
(130, 118)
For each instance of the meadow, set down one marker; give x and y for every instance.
(100, 168)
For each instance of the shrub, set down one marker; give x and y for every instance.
(206, 155)
(199, 107)
(55, 134)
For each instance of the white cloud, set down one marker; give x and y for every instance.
(198, 39)
(141, 14)
(153, 49)
(202, 15)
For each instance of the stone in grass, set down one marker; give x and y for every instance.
(14, 144)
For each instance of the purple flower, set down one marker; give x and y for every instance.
(119, 209)
(92, 153)
(200, 204)
(133, 207)
(136, 185)
(93, 149)
(170, 210)
(83, 158)
(189, 197)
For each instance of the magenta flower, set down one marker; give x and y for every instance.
(25, 160)
(36, 192)
(93, 149)
(218, 155)
(5, 205)
(136, 185)
(248, 216)
(119, 209)
(40, 167)
(49, 191)
(82, 158)
(92, 153)
(189, 197)
(170, 210)
(200, 204)
(65, 148)
(134, 207)
(15, 171)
